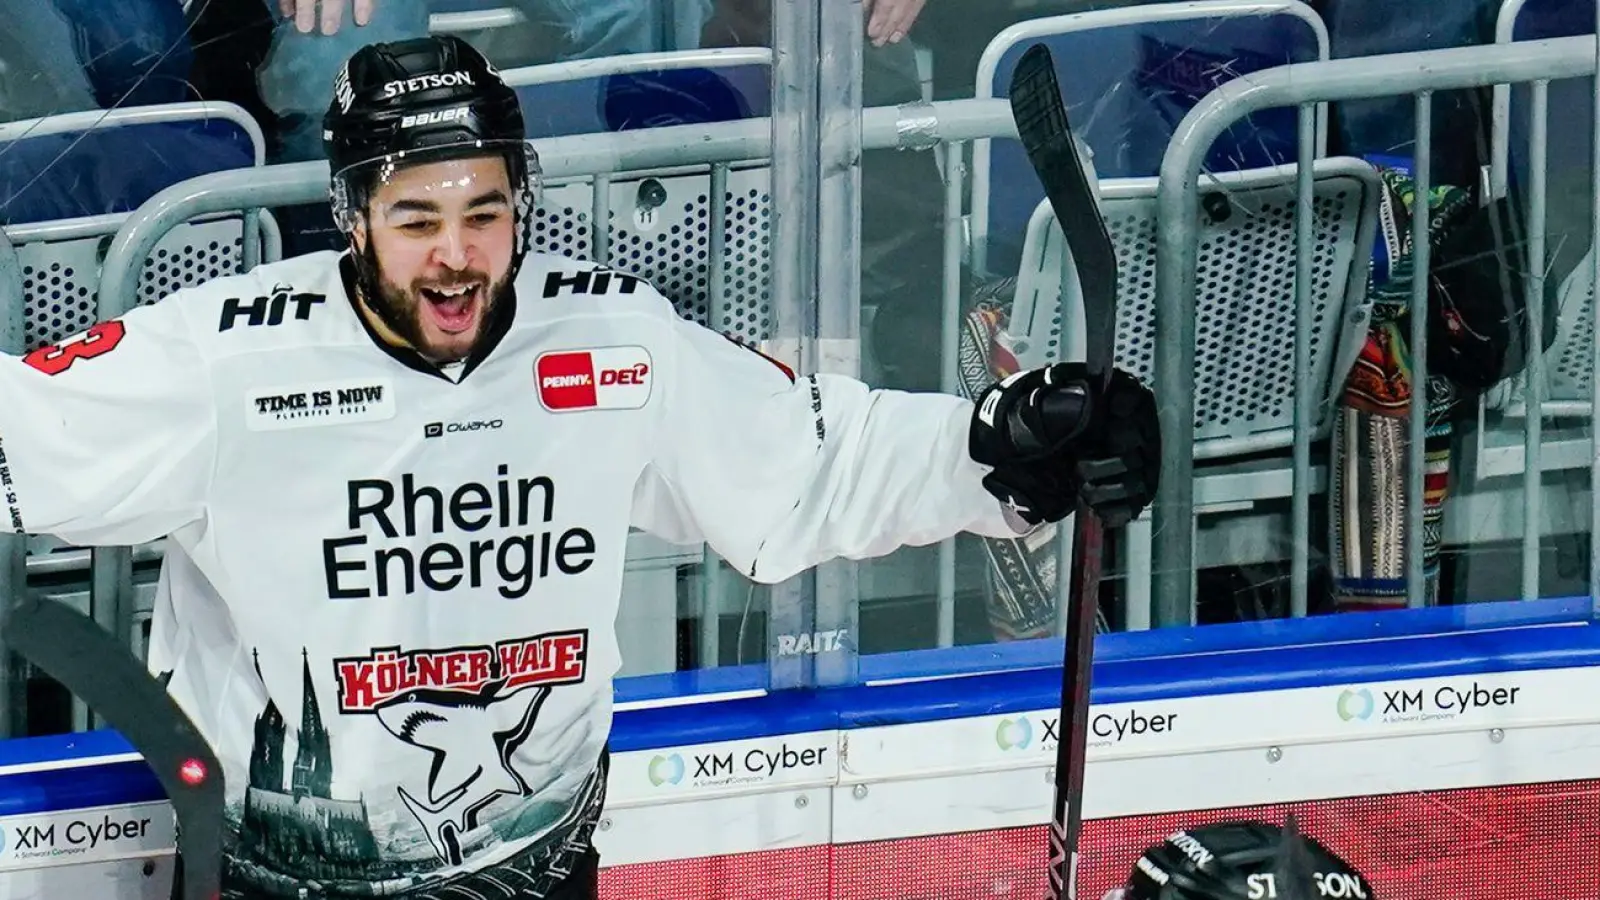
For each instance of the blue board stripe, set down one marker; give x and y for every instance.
(1341, 650)
(1231, 637)
(55, 790)
(58, 747)
(1358, 658)
(695, 682)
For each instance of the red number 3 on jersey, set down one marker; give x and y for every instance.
(97, 340)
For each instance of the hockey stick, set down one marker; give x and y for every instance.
(91, 663)
(1042, 126)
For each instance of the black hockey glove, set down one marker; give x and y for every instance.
(1051, 440)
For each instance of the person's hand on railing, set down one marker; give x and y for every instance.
(305, 13)
(889, 21)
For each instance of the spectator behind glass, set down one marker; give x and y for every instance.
(313, 39)
(1385, 126)
(902, 194)
(71, 55)
(591, 29)
(65, 56)
(38, 74)
(309, 44)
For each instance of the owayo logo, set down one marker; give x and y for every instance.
(666, 770)
(1014, 734)
(1357, 704)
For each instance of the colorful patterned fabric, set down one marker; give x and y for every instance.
(1022, 596)
(1371, 430)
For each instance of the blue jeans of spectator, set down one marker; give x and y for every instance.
(93, 54)
(40, 40)
(135, 52)
(297, 79)
(1386, 125)
(597, 28)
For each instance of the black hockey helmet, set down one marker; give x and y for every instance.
(423, 100)
(1246, 860)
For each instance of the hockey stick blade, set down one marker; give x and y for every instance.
(101, 672)
(1046, 137)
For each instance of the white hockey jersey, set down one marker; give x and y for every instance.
(389, 592)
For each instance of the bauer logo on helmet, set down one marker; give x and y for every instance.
(435, 117)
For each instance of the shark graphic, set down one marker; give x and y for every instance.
(472, 738)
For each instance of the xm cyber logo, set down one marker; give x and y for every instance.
(72, 836)
(1423, 704)
(1356, 704)
(666, 769)
(1014, 734)
(1106, 729)
(730, 767)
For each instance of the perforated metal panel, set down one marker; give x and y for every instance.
(1568, 360)
(58, 285)
(191, 254)
(1245, 317)
(60, 278)
(1245, 311)
(660, 230)
(1571, 369)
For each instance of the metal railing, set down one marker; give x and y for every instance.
(579, 69)
(720, 146)
(1303, 86)
(952, 126)
(13, 547)
(1197, 14)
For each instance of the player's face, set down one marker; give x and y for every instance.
(443, 233)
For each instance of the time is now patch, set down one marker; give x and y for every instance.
(326, 403)
(596, 378)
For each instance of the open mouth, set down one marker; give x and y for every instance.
(455, 307)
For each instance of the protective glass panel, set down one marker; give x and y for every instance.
(1346, 435)
(1359, 607)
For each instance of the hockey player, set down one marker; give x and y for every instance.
(397, 484)
(1241, 861)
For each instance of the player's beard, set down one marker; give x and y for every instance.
(403, 310)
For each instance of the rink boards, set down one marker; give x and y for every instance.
(1447, 753)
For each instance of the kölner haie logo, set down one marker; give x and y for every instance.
(595, 378)
(327, 403)
(470, 709)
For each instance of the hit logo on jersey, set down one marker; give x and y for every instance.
(599, 378)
